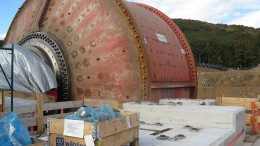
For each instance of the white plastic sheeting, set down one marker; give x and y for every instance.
(31, 74)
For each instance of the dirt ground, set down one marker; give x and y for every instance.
(232, 83)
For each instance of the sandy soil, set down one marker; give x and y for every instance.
(233, 83)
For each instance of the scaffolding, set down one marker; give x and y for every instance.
(10, 80)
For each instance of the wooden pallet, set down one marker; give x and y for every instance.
(44, 104)
(25, 95)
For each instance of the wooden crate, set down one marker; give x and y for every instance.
(245, 102)
(115, 132)
(26, 95)
(236, 101)
(38, 142)
(99, 102)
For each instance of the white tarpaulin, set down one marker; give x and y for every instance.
(31, 74)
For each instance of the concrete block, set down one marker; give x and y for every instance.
(205, 137)
(227, 122)
(208, 116)
(188, 102)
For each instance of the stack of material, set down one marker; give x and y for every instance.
(189, 125)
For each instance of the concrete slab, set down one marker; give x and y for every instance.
(230, 121)
(205, 137)
(176, 102)
(247, 144)
(257, 142)
(209, 116)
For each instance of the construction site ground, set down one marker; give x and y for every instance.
(213, 83)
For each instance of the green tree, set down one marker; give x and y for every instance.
(221, 44)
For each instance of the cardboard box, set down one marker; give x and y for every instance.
(115, 132)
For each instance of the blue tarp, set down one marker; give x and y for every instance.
(13, 132)
(90, 114)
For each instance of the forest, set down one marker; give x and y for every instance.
(232, 46)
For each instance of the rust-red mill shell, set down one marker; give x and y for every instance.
(107, 49)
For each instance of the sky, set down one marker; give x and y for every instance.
(239, 12)
(8, 9)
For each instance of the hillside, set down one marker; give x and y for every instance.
(232, 83)
(229, 45)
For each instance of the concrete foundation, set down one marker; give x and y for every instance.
(219, 126)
